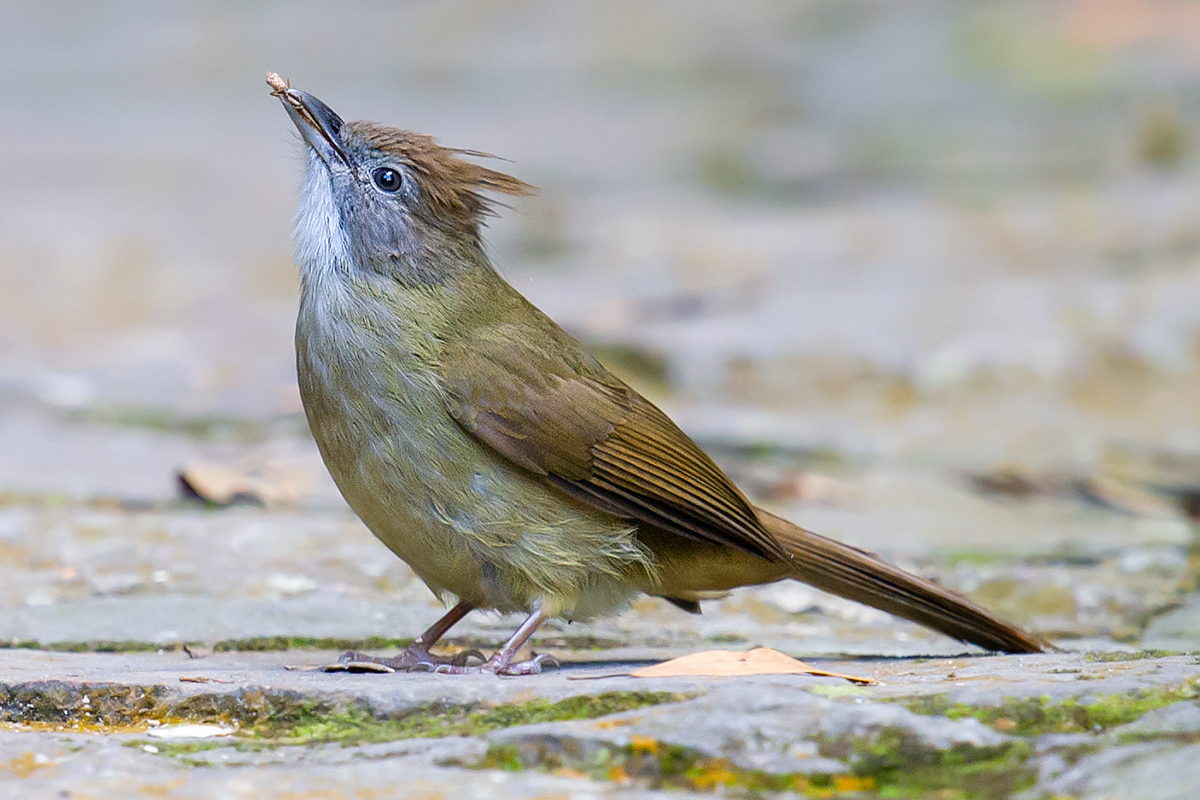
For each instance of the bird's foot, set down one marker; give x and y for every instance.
(413, 659)
(497, 665)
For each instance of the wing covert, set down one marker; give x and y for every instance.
(564, 417)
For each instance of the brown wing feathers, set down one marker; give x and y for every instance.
(599, 441)
(663, 478)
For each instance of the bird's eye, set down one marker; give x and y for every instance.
(387, 179)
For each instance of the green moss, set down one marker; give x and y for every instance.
(262, 644)
(1033, 716)
(91, 646)
(209, 428)
(268, 718)
(1138, 655)
(889, 765)
(817, 459)
(902, 766)
(1163, 140)
(659, 766)
(108, 707)
(979, 558)
(726, 171)
(178, 749)
(726, 638)
(251, 645)
(997, 778)
(61, 500)
(357, 725)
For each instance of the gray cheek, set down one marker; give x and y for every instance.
(380, 232)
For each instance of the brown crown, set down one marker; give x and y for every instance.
(450, 186)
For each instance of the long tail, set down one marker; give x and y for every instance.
(865, 577)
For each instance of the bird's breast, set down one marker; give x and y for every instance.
(375, 409)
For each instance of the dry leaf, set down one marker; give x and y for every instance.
(269, 481)
(357, 667)
(1123, 497)
(730, 663)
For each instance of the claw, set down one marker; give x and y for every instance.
(350, 656)
(423, 666)
(531, 667)
(524, 668)
(461, 659)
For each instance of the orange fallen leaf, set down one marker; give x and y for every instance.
(731, 663)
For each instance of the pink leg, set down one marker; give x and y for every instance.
(501, 662)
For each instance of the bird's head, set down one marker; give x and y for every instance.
(386, 199)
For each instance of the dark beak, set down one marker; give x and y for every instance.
(317, 122)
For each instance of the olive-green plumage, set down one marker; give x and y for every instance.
(482, 445)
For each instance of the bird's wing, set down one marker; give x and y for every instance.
(556, 412)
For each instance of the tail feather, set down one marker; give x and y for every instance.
(866, 578)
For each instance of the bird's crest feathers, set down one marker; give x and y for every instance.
(451, 186)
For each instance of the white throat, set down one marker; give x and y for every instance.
(322, 248)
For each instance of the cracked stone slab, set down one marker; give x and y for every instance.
(43, 765)
(1057, 676)
(776, 724)
(1158, 770)
(1178, 718)
(415, 752)
(759, 729)
(1178, 629)
(981, 680)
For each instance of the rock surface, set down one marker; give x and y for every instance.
(82, 722)
(101, 595)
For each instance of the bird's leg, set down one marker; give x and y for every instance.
(501, 663)
(416, 655)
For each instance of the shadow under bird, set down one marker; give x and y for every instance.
(488, 450)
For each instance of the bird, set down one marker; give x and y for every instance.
(484, 446)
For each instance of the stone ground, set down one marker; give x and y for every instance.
(99, 725)
(101, 592)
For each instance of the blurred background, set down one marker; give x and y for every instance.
(909, 269)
